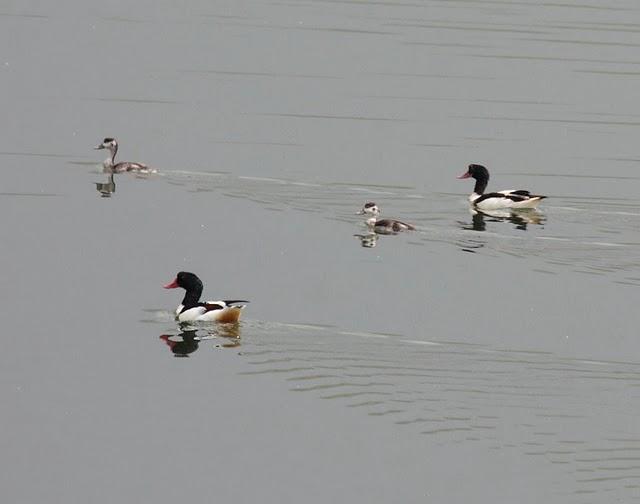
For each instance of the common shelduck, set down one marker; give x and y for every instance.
(382, 226)
(500, 199)
(125, 166)
(192, 309)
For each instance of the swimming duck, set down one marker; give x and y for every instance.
(383, 226)
(125, 166)
(500, 199)
(192, 309)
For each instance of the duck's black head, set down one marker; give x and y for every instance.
(480, 173)
(476, 171)
(188, 281)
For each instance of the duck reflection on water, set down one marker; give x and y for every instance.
(368, 240)
(519, 218)
(189, 339)
(106, 189)
(229, 332)
(187, 343)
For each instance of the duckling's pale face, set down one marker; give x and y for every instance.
(108, 143)
(370, 209)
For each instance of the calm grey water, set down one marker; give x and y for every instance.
(475, 359)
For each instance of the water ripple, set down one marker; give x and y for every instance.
(455, 394)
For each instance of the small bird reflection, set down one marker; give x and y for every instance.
(520, 218)
(189, 339)
(106, 189)
(368, 240)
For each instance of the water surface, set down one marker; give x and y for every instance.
(490, 358)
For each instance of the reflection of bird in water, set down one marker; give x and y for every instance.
(231, 330)
(125, 166)
(231, 334)
(382, 226)
(189, 341)
(368, 240)
(500, 199)
(520, 218)
(191, 309)
(184, 347)
(106, 189)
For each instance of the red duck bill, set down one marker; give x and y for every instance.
(172, 285)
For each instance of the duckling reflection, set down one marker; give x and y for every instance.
(520, 218)
(106, 189)
(182, 348)
(382, 226)
(368, 240)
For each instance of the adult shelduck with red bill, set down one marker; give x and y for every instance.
(193, 310)
(501, 199)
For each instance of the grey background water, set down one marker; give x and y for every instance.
(446, 365)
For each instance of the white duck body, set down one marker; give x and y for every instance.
(210, 311)
(512, 198)
(505, 199)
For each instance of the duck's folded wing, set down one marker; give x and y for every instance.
(407, 226)
(213, 305)
(226, 303)
(514, 192)
(497, 196)
(236, 302)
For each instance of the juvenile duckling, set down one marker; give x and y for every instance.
(111, 145)
(382, 226)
